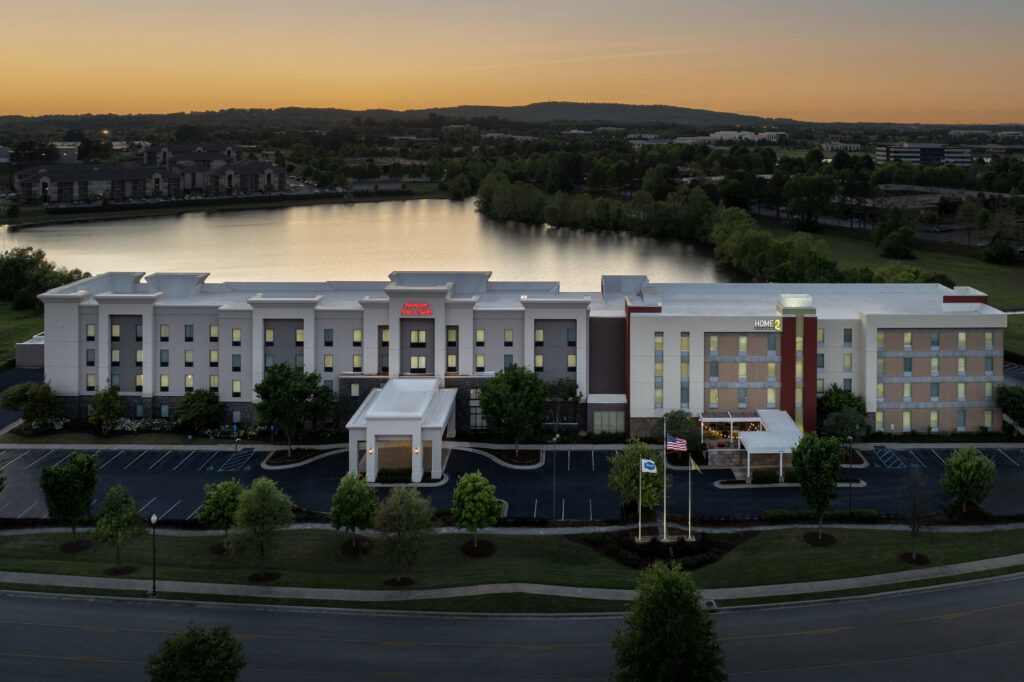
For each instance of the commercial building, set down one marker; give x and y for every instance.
(923, 154)
(925, 357)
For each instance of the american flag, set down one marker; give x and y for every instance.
(676, 444)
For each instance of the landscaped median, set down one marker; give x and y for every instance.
(312, 558)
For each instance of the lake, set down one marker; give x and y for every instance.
(363, 241)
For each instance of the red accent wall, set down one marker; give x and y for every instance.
(787, 378)
(629, 313)
(965, 299)
(810, 373)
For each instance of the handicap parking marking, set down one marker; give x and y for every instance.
(208, 460)
(40, 459)
(914, 455)
(169, 509)
(29, 509)
(156, 463)
(889, 459)
(185, 459)
(140, 456)
(238, 461)
(1012, 460)
(147, 504)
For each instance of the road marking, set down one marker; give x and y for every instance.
(111, 459)
(563, 509)
(187, 457)
(535, 507)
(6, 505)
(17, 458)
(38, 460)
(917, 458)
(593, 467)
(194, 512)
(169, 510)
(941, 461)
(147, 504)
(590, 501)
(134, 460)
(63, 460)
(29, 509)
(151, 466)
(1012, 460)
(203, 465)
(568, 460)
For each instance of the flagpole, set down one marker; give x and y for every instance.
(664, 479)
(639, 499)
(689, 499)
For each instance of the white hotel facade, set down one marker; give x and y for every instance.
(923, 356)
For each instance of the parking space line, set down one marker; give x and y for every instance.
(147, 504)
(194, 512)
(169, 510)
(134, 460)
(187, 457)
(535, 507)
(941, 461)
(39, 460)
(568, 460)
(590, 501)
(29, 509)
(593, 467)
(203, 465)
(563, 509)
(914, 455)
(121, 452)
(151, 466)
(17, 458)
(1012, 460)
(6, 506)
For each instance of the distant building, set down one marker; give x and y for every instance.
(840, 147)
(774, 137)
(5, 155)
(88, 182)
(923, 154)
(576, 134)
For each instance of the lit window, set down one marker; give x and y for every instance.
(933, 420)
(115, 358)
(571, 362)
(479, 362)
(743, 345)
(214, 332)
(659, 397)
(190, 383)
(799, 342)
(189, 358)
(90, 382)
(538, 363)
(908, 338)
(961, 391)
(798, 366)
(385, 336)
(508, 337)
(357, 362)
(165, 332)
(988, 420)
(906, 393)
(659, 369)
(906, 421)
(353, 391)
(713, 397)
(880, 366)
(90, 332)
(880, 339)
(659, 341)
(988, 390)
(214, 381)
(961, 366)
(214, 357)
(880, 391)
(300, 337)
(988, 340)
(771, 371)
(357, 337)
(453, 363)
(236, 389)
(418, 338)
(328, 363)
(847, 362)
(933, 366)
(236, 337)
(879, 421)
(684, 342)
(821, 336)
(165, 383)
(480, 337)
(742, 371)
(961, 340)
(713, 344)
(684, 370)
(820, 387)
(771, 397)
(115, 332)
(418, 364)
(453, 336)
(138, 382)
(268, 337)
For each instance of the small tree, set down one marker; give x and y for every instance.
(199, 410)
(1010, 400)
(474, 504)
(354, 503)
(565, 398)
(104, 408)
(69, 489)
(263, 509)
(625, 470)
(835, 399)
(816, 462)
(290, 397)
(198, 654)
(37, 402)
(681, 424)
(220, 503)
(403, 520)
(513, 402)
(847, 422)
(119, 521)
(918, 507)
(669, 635)
(969, 476)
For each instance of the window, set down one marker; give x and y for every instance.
(214, 332)
(659, 369)
(476, 418)
(90, 382)
(453, 336)
(165, 383)
(821, 361)
(741, 397)
(214, 381)
(214, 357)
(880, 342)
(480, 337)
(357, 362)
(798, 396)
(385, 360)
(357, 337)
(115, 332)
(609, 421)
(988, 390)
(236, 337)
(820, 387)
(189, 358)
(138, 332)
(418, 364)
(190, 383)
(189, 332)
(418, 338)
(961, 420)
(236, 363)
(165, 357)
(906, 393)
(115, 380)
(880, 391)
(508, 360)
(770, 397)
(385, 336)
(933, 420)
(847, 337)
(479, 362)
(268, 337)
(300, 337)
(908, 366)
(989, 365)
(571, 362)
(328, 338)
(934, 338)
(988, 340)
(743, 345)
(961, 340)
(934, 392)
(798, 368)
(961, 366)
(538, 337)
(138, 382)
(712, 371)
(90, 357)
(90, 332)
(821, 336)
(328, 363)
(712, 397)
(847, 384)
(847, 362)
(713, 345)
(771, 371)
(570, 336)
(906, 421)
(508, 337)
(880, 367)
(165, 411)
(961, 391)
(684, 342)
(908, 338)
(236, 416)
(165, 332)
(933, 366)
(879, 421)
(988, 420)
(236, 391)
(659, 397)
(799, 343)
(300, 360)
(742, 371)
(353, 391)
(684, 370)
(773, 341)
(538, 363)
(453, 363)
(684, 395)
(659, 341)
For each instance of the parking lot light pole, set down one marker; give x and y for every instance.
(849, 485)
(152, 522)
(554, 474)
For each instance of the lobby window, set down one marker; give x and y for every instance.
(988, 390)
(214, 357)
(933, 420)
(236, 389)
(961, 366)
(268, 337)
(773, 344)
(452, 335)
(90, 357)
(165, 332)
(821, 336)
(300, 337)
(300, 360)
(989, 366)
(820, 387)
(821, 361)
(879, 421)
(743, 345)
(480, 337)
(508, 337)
(165, 411)
(880, 367)
(571, 362)
(418, 338)
(741, 370)
(908, 339)
(115, 380)
(138, 382)
(847, 337)
(165, 383)
(236, 337)
(988, 420)
(934, 338)
(961, 391)
(214, 381)
(507, 360)
(880, 340)
(906, 392)
(357, 337)
(214, 332)
(847, 362)
(268, 360)
(165, 357)
(236, 363)
(138, 332)
(90, 332)
(328, 338)
(659, 397)
(357, 362)
(771, 371)
(353, 391)
(961, 340)
(189, 332)
(453, 363)
(190, 383)
(988, 340)
(115, 332)
(712, 371)
(190, 358)
(609, 421)
(847, 384)
(713, 345)
(770, 397)
(479, 362)
(908, 366)
(570, 337)
(236, 416)
(538, 363)
(933, 366)
(741, 397)
(934, 392)
(538, 337)
(418, 364)
(328, 363)
(961, 420)
(684, 342)
(90, 382)
(385, 336)
(713, 397)
(906, 421)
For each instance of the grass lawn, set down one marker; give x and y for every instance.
(15, 327)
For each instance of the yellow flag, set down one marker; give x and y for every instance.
(693, 465)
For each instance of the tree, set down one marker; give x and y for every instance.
(37, 402)
(969, 476)
(816, 462)
(105, 408)
(354, 504)
(623, 478)
(289, 397)
(403, 520)
(474, 504)
(682, 425)
(669, 634)
(513, 403)
(263, 509)
(69, 489)
(848, 422)
(198, 654)
(565, 396)
(119, 521)
(835, 399)
(1010, 400)
(807, 197)
(220, 504)
(199, 410)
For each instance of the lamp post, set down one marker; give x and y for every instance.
(849, 485)
(554, 474)
(152, 522)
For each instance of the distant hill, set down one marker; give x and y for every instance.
(610, 113)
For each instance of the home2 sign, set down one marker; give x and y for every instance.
(411, 308)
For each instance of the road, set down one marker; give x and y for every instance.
(969, 631)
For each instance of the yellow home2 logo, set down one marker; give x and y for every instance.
(775, 324)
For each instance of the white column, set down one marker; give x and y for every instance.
(371, 457)
(417, 456)
(435, 456)
(353, 450)
(748, 466)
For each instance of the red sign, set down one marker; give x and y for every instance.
(411, 308)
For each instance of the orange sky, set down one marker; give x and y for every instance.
(929, 61)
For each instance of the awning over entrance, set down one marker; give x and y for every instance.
(412, 411)
(779, 437)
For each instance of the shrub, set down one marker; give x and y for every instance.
(763, 477)
(779, 516)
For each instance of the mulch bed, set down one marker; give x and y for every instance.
(75, 547)
(908, 558)
(264, 577)
(825, 540)
(357, 547)
(124, 570)
(623, 547)
(220, 549)
(398, 582)
(298, 455)
(484, 548)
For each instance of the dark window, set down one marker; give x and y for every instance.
(571, 336)
(189, 332)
